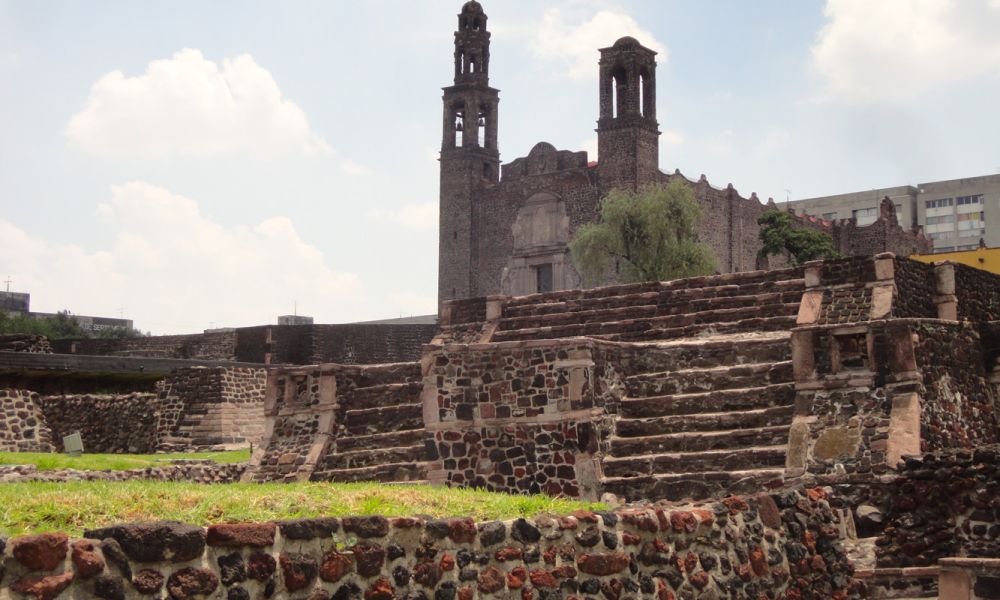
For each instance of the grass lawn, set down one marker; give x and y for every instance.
(74, 506)
(48, 461)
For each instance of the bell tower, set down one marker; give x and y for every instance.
(627, 131)
(470, 160)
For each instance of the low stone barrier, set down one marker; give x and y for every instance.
(783, 545)
(194, 472)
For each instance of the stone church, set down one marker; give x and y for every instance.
(505, 229)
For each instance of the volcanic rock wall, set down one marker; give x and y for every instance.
(107, 423)
(762, 547)
(22, 423)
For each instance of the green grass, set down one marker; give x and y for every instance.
(74, 506)
(46, 461)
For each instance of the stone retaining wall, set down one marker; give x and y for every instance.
(196, 409)
(193, 472)
(763, 547)
(25, 342)
(107, 423)
(22, 423)
(945, 504)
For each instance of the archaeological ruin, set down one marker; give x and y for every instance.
(779, 431)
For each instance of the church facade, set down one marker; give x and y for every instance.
(505, 229)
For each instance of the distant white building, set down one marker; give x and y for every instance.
(955, 214)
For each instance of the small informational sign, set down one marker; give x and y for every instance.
(73, 444)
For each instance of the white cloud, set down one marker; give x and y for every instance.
(352, 168)
(411, 215)
(176, 270)
(576, 44)
(887, 51)
(188, 105)
(672, 138)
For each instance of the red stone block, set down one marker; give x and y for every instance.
(87, 562)
(43, 588)
(42, 552)
(257, 535)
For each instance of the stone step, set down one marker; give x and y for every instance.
(744, 278)
(703, 353)
(728, 459)
(747, 318)
(697, 486)
(647, 305)
(697, 441)
(376, 396)
(370, 458)
(738, 399)
(686, 381)
(383, 420)
(750, 325)
(702, 422)
(385, 473)
(392, 439)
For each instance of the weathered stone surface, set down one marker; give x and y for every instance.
(156, 541)
(381, 589)
(335, 565)
(307, 529)
(490, 580)
(232, 568)
(261, 566)
(298, 570)
(492, 533)
(366, 527)
(114, 554)
(43, 552)
(256, 535)
(109, 587)
(191, 582)
(43, 588)
(87, 562)
(603, 564)
(148, 581)
(369, 558)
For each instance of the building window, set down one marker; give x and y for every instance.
(941, 219)
(977, 199)
(830, 216)
(940, 203)
(938, 235)
(865, 216)
(944, 249)
(968, 247)
(543, 278)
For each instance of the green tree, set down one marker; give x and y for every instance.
(118, 333)
(803, 244)
(651, 234)
(59, 326)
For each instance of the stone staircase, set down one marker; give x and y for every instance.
(699, 430)
(380, 433)
(731, 303)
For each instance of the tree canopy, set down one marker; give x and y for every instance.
(802, 244)
(651, 235)
(58, 326)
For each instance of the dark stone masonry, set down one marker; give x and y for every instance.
(763, 546)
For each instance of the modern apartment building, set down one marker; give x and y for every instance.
(955, 214)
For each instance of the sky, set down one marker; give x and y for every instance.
(196, 164)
